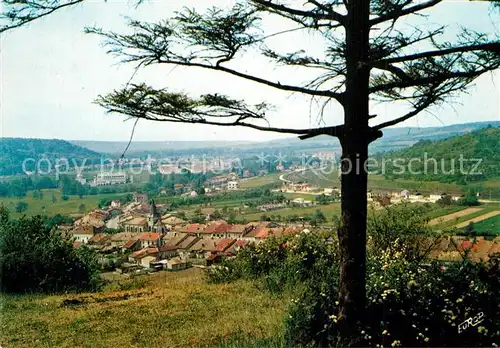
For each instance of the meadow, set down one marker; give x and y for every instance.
(46, 206)
(164, 309)
(485, 209)
(260, 181)
(329, 210)
(489, 225)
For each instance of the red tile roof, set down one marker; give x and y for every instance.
(144, 252)
(224, 244)
(130, 243)
(167, 247)
(194, 228)
(151, 236)
(223, 228)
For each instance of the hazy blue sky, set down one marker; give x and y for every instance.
(51, 73)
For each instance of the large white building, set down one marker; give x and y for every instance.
(102, 179)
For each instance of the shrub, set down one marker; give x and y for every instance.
(34, 258)
(469, 200)
(411, 300)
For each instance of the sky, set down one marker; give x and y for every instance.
(51, 72)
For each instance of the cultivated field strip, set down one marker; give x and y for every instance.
(453, 216)
(478, 219)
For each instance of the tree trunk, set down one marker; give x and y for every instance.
(354, 141)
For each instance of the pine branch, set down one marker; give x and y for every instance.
(328, 14)
(488, 47)
(21, 12)
(392, 16)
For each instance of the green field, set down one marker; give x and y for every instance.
(329, 210)
(491, 225)
(45, 206)
(485, 208)
(165, 309)
(438, 210)
(260, 181)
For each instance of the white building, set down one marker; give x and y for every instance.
(81, 179)
(233, 185)
(102, 179)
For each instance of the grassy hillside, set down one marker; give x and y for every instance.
(14, 151)
(46, 206)
(161, 310)
(482, 145)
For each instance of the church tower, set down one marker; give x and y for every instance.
(153, 216)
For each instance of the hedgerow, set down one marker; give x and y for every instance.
(412, 300)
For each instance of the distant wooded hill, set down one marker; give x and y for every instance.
(393, 139)
(16, 151)
(479, 152)
(13, 151)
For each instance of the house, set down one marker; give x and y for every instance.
(171, 221)
(113, 223)
(99, 240)
(192, 229)
(167, 251)
(177, 264)
(203, 246)
(261, 230)
(237, 231)
(95, 218)
(301, 202)
(186, 242)
(148, 239)
(236, 247)
(132, 245)
(435, 198)
(140, 197)
(215, 229)
(416, 197)
(144, 257)
(115, 203)
(221, 181)
(405, 194)
(102, 179)
(137, 224)
(456, 197)
(119, 239)
(175, 240)
(223, 245)
(83, 233)
(233, 185)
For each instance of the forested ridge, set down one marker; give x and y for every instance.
(479, 151)
(16, 151)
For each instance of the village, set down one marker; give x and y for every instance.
(145, 236)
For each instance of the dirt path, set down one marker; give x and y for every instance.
(478, 219)
(453, 216)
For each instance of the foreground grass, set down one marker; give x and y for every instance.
(168, 310)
